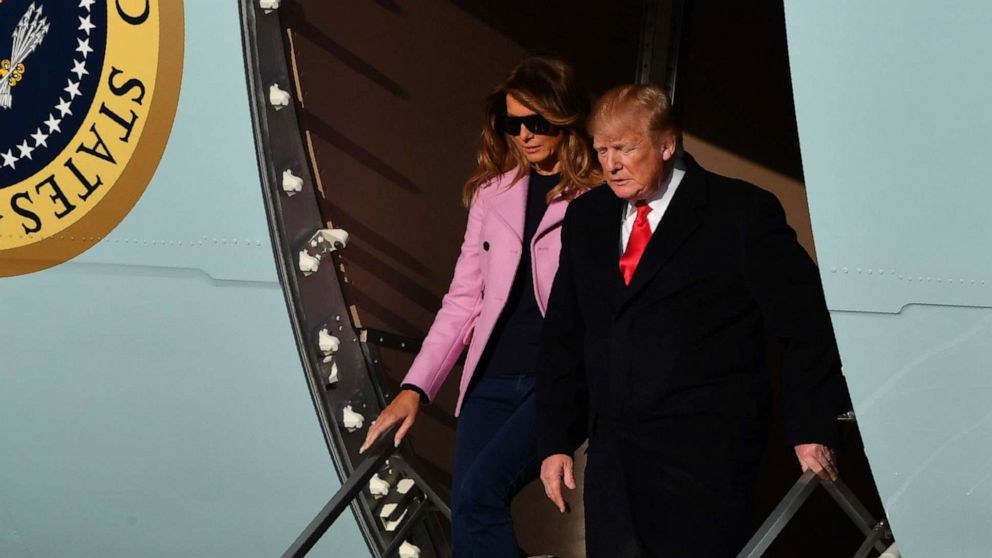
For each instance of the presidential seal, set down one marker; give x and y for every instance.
(88, 93)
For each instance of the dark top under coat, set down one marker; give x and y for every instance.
(515, 343)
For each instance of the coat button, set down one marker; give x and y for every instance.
(485, 246)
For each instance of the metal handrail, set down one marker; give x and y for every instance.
(352, 487)
(382, 450)
(876, 532)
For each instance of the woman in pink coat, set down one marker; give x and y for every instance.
(533, 158)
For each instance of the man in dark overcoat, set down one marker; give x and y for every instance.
(670, 279)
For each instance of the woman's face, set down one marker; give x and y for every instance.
(540, 150)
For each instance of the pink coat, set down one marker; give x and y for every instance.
(484, 273)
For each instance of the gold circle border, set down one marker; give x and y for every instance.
(118, 202)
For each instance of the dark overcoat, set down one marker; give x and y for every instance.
(667, 377)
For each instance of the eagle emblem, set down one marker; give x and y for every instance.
(88, 93)
(28, 34)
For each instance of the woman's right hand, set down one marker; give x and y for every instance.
(404, 408)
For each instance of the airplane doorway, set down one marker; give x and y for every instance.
(390, 103)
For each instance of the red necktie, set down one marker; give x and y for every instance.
(639, 237)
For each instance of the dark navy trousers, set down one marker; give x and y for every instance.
(495, 457)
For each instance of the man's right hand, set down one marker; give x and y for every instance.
(553, 469)
(404, 408)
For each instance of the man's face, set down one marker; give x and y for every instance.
(634, 163)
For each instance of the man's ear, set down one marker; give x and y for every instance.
(669, 146)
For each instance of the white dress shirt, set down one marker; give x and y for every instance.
(658, 202)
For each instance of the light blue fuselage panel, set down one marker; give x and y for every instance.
(894, 121)
(152, 401)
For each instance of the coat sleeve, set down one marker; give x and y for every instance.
(785, 283)
(460, 308)
(562, 396)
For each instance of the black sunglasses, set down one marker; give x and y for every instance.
(534, 122)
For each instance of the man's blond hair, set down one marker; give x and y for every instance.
(648, 103)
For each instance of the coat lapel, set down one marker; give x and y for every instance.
(509, 205)
(604, 247)
(679, 222)
(553, 216)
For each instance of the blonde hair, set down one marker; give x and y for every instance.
(549, 87)
(647, 100)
